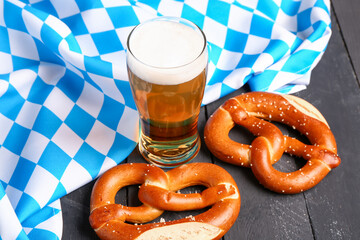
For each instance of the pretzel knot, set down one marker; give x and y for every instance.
(249, 110)
(158, 192)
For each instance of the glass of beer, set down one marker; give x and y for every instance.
(167, 63)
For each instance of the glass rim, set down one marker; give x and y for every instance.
(167, 18)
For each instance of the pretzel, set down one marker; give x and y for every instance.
(158, 192)
(250, 110)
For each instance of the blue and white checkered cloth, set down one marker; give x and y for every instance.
(66, 110)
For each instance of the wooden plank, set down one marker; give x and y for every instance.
(334, 204)
(348, 14)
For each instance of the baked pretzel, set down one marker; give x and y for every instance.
(249, 110)
(158, 193)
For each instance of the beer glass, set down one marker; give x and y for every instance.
(167, 63)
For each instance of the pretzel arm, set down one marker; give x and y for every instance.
(298, 181)
(172, 201)
(223, 147)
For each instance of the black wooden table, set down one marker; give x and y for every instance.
(331, 210)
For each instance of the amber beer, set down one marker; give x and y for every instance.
(167, 63)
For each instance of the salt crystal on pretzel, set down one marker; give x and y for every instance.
(249, 110)
(109, 219)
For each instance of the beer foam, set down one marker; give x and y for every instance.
(166, 52)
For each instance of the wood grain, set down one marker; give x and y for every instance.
(347, 13)
(334, 207)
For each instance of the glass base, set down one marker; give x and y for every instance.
(169, 154)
